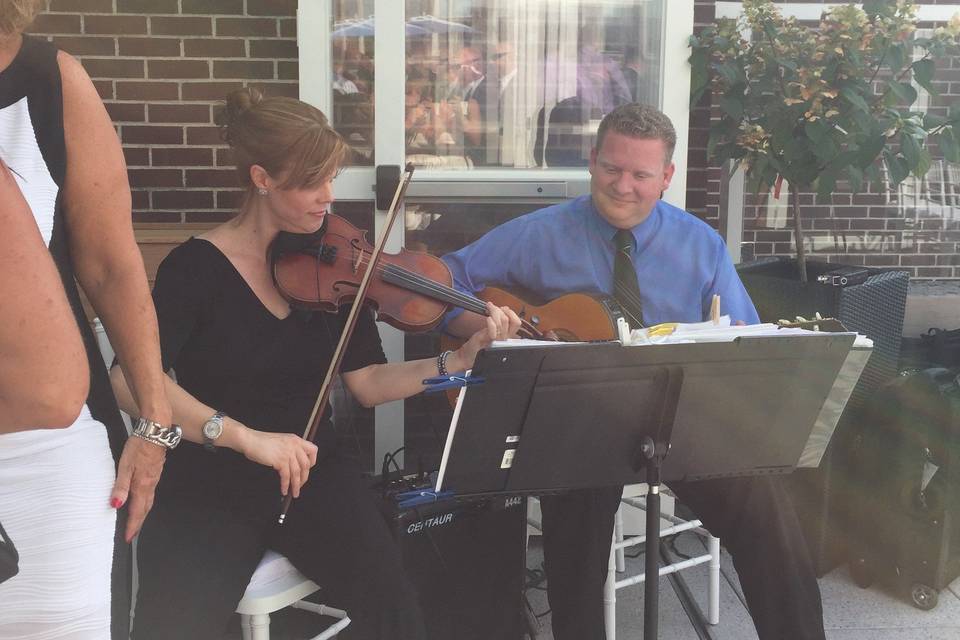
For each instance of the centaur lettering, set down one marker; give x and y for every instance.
(512, 502)
(426, 523)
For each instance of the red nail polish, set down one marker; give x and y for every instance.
(116, 503)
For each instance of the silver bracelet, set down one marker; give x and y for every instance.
(156, 433)
(442, 363)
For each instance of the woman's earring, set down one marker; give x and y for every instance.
(262, 191)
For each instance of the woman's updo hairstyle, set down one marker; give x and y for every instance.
(289, 138)
(16, 15)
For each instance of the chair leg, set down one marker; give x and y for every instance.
(610, 596)
(713, 588)
(618, 537)
(245, 627)
(260, 627)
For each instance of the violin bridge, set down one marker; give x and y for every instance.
(357, 261)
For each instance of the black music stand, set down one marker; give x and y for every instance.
(559, 417)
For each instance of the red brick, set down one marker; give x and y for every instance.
(136, 156)
(176, 69)
(215, 48)
(212, 178)
(113, 68)
(155, 177)
(230, 7)
(229, 199)
(135, 134)
(934, 272)
(288, 28)
(181, 157)
(80, 46)
(204, 136)
(147, 6)
(209, 90)
(275, 89)
(225, 158)
(167, 217)
(104, 89)
(917, 260)
(147, 91)
(210, 216)
(242, 69)
(149, 46)
(885, 260)
(179, 113)
(119, 25)
(271, 7)
(55, 23)
(181, 26)
(246, 27)
(141, 199)
(287, 70)
(125, 111)
(273, 49)
(201, 199)
(82, 6)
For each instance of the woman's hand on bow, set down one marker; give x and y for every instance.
(290, 455)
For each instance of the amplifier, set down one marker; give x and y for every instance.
(468, 561)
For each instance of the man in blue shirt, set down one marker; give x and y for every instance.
(680, 263)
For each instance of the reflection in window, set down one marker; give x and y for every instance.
(508, 84)
(353, 78)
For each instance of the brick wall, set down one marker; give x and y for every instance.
(160, 67)
(879, 227)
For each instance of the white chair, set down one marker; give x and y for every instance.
(277, 584)
(633, 500)
(674, 525)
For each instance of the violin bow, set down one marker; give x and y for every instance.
(324, 397)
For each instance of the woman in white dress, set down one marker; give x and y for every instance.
(60, 488)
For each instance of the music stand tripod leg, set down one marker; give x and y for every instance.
(651, 594)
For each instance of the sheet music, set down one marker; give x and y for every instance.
(450, 432)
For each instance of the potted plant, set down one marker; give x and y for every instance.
(801, 104)
(813, 107)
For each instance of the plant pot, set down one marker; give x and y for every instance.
(874, 308)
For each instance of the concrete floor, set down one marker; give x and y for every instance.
(850, 613)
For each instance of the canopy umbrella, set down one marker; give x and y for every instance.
(432, 24)
(364, 29)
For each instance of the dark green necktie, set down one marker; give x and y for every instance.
(625, 286)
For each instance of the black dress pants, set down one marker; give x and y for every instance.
(196, 561)
(754, 519)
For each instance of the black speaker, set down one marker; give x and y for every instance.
(873, 307)
(467, 560)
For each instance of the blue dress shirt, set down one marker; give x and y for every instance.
(681, 261)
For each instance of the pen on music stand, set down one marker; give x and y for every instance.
(715, 309)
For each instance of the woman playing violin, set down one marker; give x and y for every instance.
(248, 370)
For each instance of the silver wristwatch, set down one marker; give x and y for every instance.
(167, 437)
(212, 429)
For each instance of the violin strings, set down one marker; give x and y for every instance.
(438, 291)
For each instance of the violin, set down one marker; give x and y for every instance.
(410, 290)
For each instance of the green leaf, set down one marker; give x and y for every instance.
(731, 72)
(870, 149)
(932, 121)
(850, 95)
(923, 74)
(816, 130)
(733, 106)
(910, 149)
(855, 174)
(878, 8)
(826, 184)
(898, 169)
(896, 56)
(949, 145)
(923, 164)
(699, 76)
(903, 92)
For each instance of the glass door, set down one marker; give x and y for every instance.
(497, 103)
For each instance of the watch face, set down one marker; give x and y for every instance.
(212, 429)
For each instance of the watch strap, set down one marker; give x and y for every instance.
(156, 433)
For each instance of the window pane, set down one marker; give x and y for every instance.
(352, 59)
(512, 84)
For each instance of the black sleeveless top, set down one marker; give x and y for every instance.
(35, 75)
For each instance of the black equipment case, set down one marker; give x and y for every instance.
(907, 469)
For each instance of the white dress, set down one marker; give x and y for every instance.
(54, 483)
